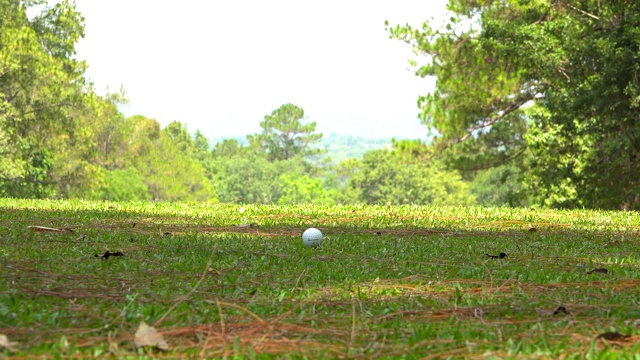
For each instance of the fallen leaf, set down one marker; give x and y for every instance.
(81, 237)
(107, 253)
(113, 345)
(600, 271)
(6, 344)
(612, 336)
(148, 336)
(559, 310)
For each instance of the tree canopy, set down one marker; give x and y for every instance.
(396, 177)
(41, 93)
(286, 135)
(536, 103)
(555, 84)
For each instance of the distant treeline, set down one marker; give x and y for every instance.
(338, 147)
(60, 139)
(538, 106)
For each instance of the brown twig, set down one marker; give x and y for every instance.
(488, 272)
(353, 326)
(222, 329)
(583, 12)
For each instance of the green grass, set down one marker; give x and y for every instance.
(389, 281)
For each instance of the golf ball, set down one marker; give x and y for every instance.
(312, 237)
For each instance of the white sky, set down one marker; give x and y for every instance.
(221, 66)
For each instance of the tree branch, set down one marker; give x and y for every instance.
(543, 18)
(582, 12)
(502, 160)
(515, 105)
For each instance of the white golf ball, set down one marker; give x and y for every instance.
(312, 237)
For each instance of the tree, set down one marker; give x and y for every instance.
(41, 83)
(338, 181)
(284, 135)
(229, 148)
(110, 128)
(558, 79)
(474, 108)
(168, 172)
(499, 186)
(123, 185)
(178, 133)
(150, 156)
(201, 147)
(389, 177)
(246, 176)
(249, 178)
(303, 189)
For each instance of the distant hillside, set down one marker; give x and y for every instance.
(339, 147)
(242, 140)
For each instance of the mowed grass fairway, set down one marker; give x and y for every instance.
(389, 281)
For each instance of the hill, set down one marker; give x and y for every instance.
(339, 147)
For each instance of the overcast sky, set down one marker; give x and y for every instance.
(221, 66)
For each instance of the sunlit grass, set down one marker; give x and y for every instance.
(235, 280)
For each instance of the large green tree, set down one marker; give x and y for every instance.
(247, 174)
(42, 142)
(196, 146)
(396, 177)
(286, 134)
(559, 79)
(122, 185)
(168, 170)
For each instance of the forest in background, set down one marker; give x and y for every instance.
(338, 147)
(537, 106)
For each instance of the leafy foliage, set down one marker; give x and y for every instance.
(58, 138)
(246, 179)
(500, 186)
(169, 174)
(40, 81)
(576, 62)
(389, 177)
(303, 189)
(285, 136)
(123, 185)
